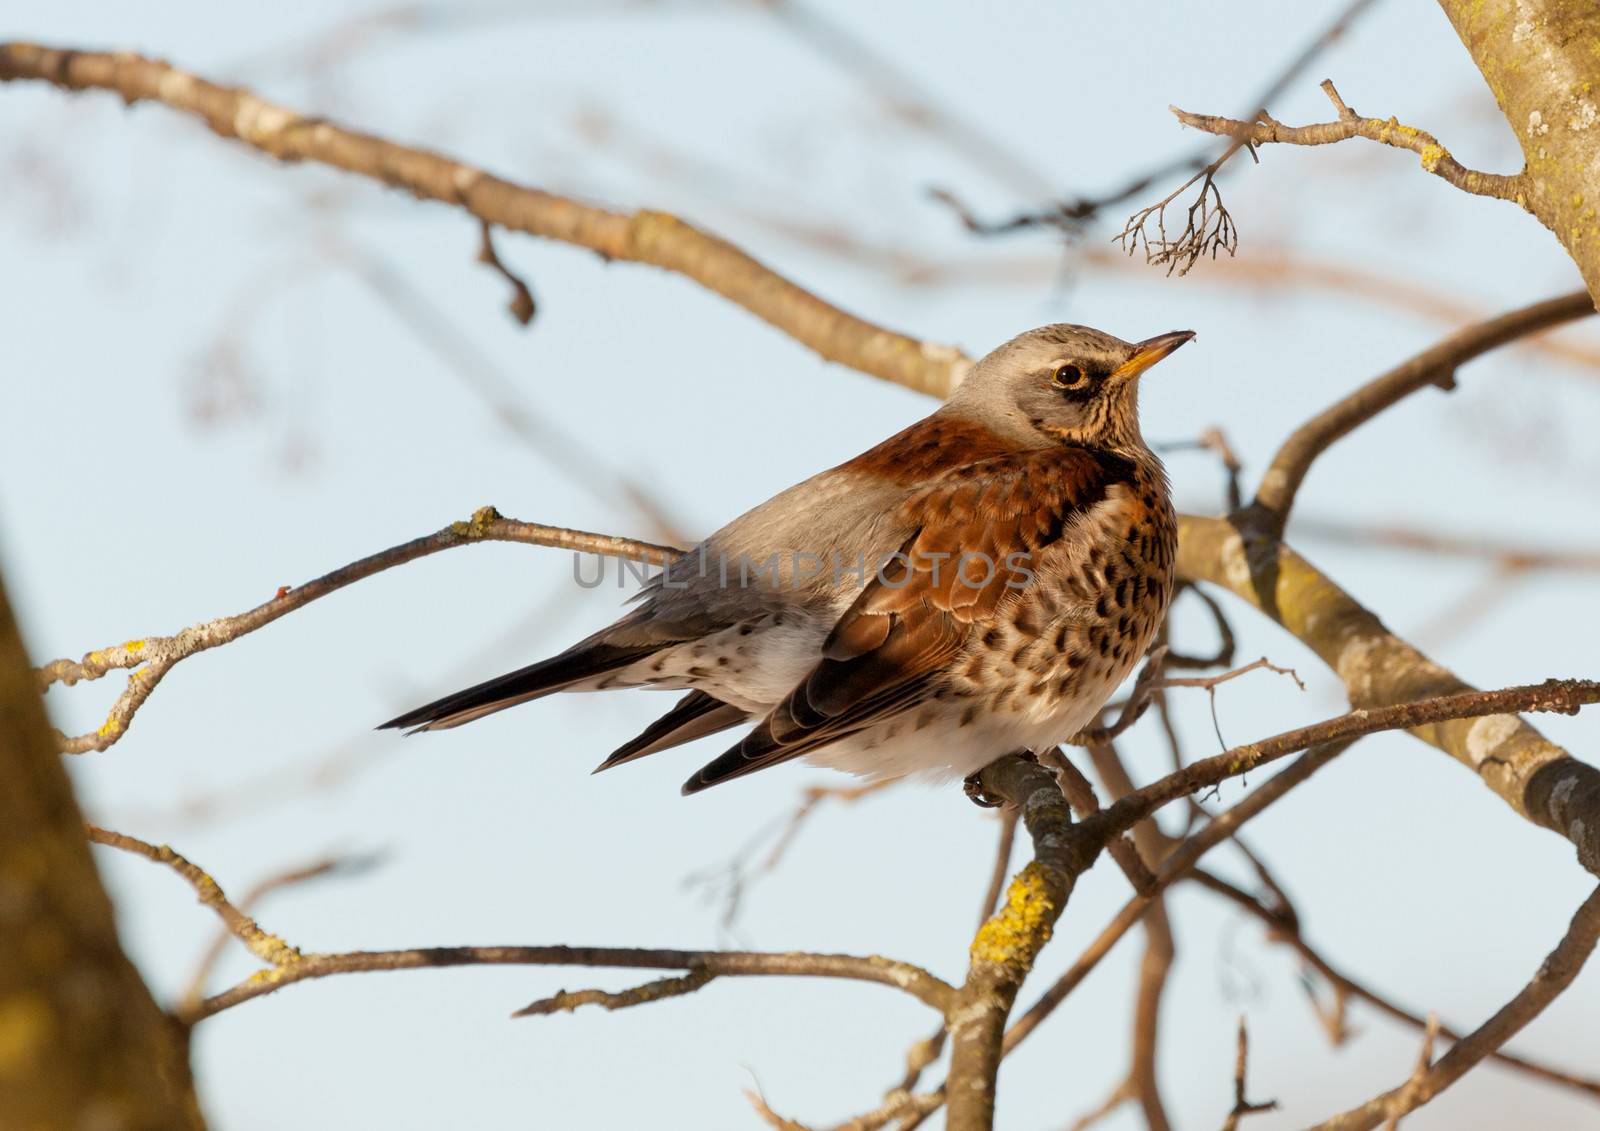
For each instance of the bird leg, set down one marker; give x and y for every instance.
(974, 791)
(973, 787)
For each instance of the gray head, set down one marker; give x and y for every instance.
(1068, 383)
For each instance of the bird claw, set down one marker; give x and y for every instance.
(973, 786)
(974, 791)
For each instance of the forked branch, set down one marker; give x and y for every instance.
(153, 657)
(1347, 124)
(1554, 975)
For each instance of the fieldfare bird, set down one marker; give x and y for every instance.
(977, 585)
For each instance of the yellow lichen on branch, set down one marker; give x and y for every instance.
(1015, 934)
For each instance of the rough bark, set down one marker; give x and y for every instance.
(1538, 779)
(1541, 59)
(82, 1043)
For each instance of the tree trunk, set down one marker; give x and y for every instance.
(1541, 59)
(82, 1043)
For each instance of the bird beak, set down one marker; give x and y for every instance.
(1150, 351)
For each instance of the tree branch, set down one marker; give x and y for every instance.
(1188, 853)
(1538, 779)
(567, 1000)
(925, 987)
(195, 991)
(1287, 931)
(153, 657)
(1434, 366)
(1564, 696)
(1554, 975)
(263, 944)
(1004, 950)
(1436, 158)
(655, 238)
(1185, 856)
(84, 1044)
(1538, 58)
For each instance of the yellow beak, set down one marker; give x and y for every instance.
(1150, 351)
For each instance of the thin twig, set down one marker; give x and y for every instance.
(1435, 158)
(655, 238)
(340, 865)
(1005, 947)
(1242, 1106)
(1434, 366)
(263, 944)
(1404, 539)
(1535, 777)
(1071, 215)
(153, 657)
(1562, 696)
(914, 980)
(565, 1001)
(1554, 975)
(732, 879)
(1178, 864)
(521, 306)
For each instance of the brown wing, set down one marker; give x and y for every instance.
(978, 531)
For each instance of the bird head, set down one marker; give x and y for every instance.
(1071, 384)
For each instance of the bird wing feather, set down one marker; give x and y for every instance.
(915, 617)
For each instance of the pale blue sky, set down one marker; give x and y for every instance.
(141, 254)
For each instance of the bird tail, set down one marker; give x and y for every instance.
(695, 716)
(558, 673)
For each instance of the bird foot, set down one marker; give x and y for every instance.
(974, 791)
(973, 787)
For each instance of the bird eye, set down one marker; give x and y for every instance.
(1069, 376)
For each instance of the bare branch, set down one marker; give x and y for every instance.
(1080, 794)
(1538, 779)
(1536, 57)
(263, 944)
(1242, 1106)
(1436, 365)
(1178, 864)
(1563, 696)
(1226, 645)
(1004, 950)
(1554, 975)
(567, 1000)
(153, 657)
(1207, 230)
(332, 865)
(914, 980)
(910, 1108)
(1140, 1085)
(655, 238)
(1134, 707)
(1071, 215)
(522, 306)
(1516, 557)
(1435, 158)
(731, 879)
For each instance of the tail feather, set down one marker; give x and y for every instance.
(695, 716)
(555, 674)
